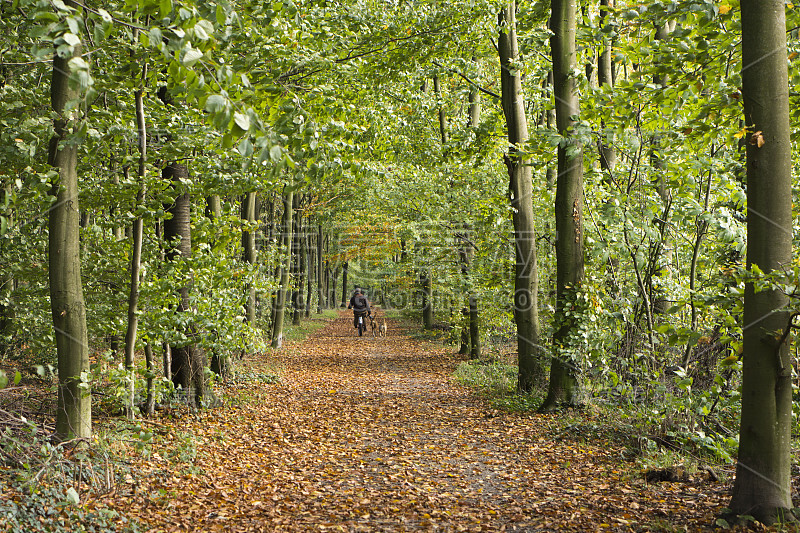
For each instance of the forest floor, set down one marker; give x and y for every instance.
(372, 434)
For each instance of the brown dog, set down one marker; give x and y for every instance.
(382, 328)
(373, 324)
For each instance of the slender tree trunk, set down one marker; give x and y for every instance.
(166, 360)
(74, 411)
(136, 252)
(249, 252)
(569, 209)
(7, 285)
(300, 263)
(213, 207)
(701, 223)
(334, 279)
(270, 224)
(441, 113)
(470, 339)
(345, 269)
(285, 264)
(474, 103)
(762, 488)
(310, 267)
(273, 237)
(606, 150)
(658, 249)
(474, 329)
(427, 298)
(605, 78)
(221, 363)
(526, 282)
(187, 361)
(328, 275)
(150, 401)
(320, 272)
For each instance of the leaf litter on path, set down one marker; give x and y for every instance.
(372, 434)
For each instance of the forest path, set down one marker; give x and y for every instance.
(371, 434)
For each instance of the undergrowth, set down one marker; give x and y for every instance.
(667, 423)
(45, 486)
(497, 381)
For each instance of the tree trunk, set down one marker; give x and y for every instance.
(605, 78)
(136, 252)
(320, 272)
(285, 264)
(470, 338)
(427, 298)
(762, 488)
(299, 267)
(526, 283)
(74, 411)
(474, 330)
(150, 401)
(658, 251)
(187, 361)
(213, 207)
(334, 278)
(249, 252)
(310, 266)
(326, 285)
(441, 113)
(221, 363)
(569, 209)
(345, 268)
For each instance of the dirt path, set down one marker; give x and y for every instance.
(366, 434)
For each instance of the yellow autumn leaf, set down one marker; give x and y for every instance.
(731, 359)
(724, 8)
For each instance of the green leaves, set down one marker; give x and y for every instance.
(4, 380)
(216, 103)
(165, 8)
(242, 121)
(245, 148)
(191, 56)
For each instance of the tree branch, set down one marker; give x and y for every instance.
(468, 80)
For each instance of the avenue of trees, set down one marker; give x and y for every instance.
(608, 184)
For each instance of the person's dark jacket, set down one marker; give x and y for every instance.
(359, 304)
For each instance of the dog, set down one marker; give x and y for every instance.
(382, 328)
(373, 324)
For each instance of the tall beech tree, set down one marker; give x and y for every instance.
(74, 412)
(467, 247)
(762, 488)
(526, 282)
(279, 309)
(569, 208)
(188, 361)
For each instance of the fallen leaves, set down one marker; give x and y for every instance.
(367, 434)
